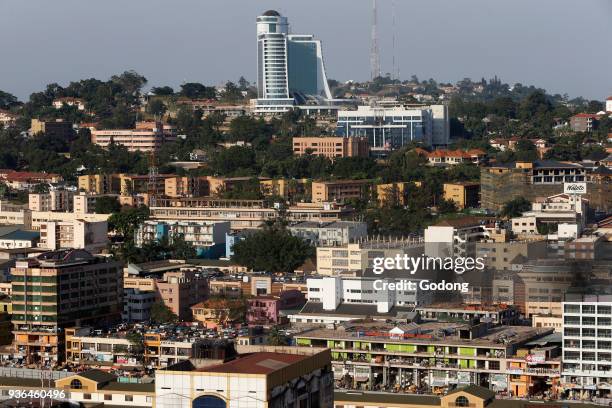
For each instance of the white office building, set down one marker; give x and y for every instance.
(290, 69)
(587, 344)
(390, 128)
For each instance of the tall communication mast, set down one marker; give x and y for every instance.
(374, 55)
(153, 178)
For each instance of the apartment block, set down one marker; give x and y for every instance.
(57, 128)
(337, 233)
(242, 214)
(89, 235)
(331, 147)
(145, 137)
(394, 193)
(54, 291)
(464, 195)
(341, 190)
(205, 236)
(100, 183)
(54, 200)
(587, 342)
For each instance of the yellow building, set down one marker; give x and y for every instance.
(340, 190)
(394, 193)
(463, 194)
(283, 187)
(100, 183)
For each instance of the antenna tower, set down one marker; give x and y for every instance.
(374, 55)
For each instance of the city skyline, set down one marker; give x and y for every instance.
(542, 53)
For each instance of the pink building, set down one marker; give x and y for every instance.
(265, 310)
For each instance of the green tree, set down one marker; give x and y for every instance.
(162, 90)
(195, 90)
(156, 107)
(272, 249)
(276, 338)
(516, 207)
(127, 220)
(107, 205)
(181, 249)
(7, 100)
(136, 349)
(161, 314)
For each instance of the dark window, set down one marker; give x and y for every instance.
(462, 402)
(76, 384)
(208, 401)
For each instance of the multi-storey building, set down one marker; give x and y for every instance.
(205, 236)
(584, 122)
(100, 183)
(394, 193)
(587, 343)
(58, 128)
(54, 200)
(390, 128)
(464, 195)
(145, 137)
(334, 299)
(337, 233)
(290, 67)
(502, 183)
(359, 256)
(554, 210)
(331, 147)
(159, 349)
(428, 357)
(340, 190)
(55, 290)
(242, 214)
(77, 233)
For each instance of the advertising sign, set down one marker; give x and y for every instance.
(574, 188)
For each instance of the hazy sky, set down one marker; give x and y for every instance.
(564, 46)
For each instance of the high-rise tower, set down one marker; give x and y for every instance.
(290, 67)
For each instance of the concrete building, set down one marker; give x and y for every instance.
(464, 195)
(390, 128)
(137, 304)
(358, 257)
(340, 190)
(69, 101)
(432, 357)
(15, 237)
(454, 236)
(587, 336)
(54, 200)
(242, 214)
(100, 183)
(89, 235)
(52, 292)
(337, 233)
(331, 147)
(443, 157)
(258, 377)
(503, 183)
(334, 299)
(290, 68)
(208, 238)
(145, 137)
(57, 128)
(584, 122)
(550, 213)
(394, 193)
(180, 290)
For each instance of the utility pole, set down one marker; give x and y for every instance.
(374, 55)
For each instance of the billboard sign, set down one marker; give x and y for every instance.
(574, 188)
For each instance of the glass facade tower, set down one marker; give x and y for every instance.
(290, 67)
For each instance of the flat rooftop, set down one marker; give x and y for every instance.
(256, 363)
(438, 333)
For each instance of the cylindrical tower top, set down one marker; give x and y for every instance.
(271, 22)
